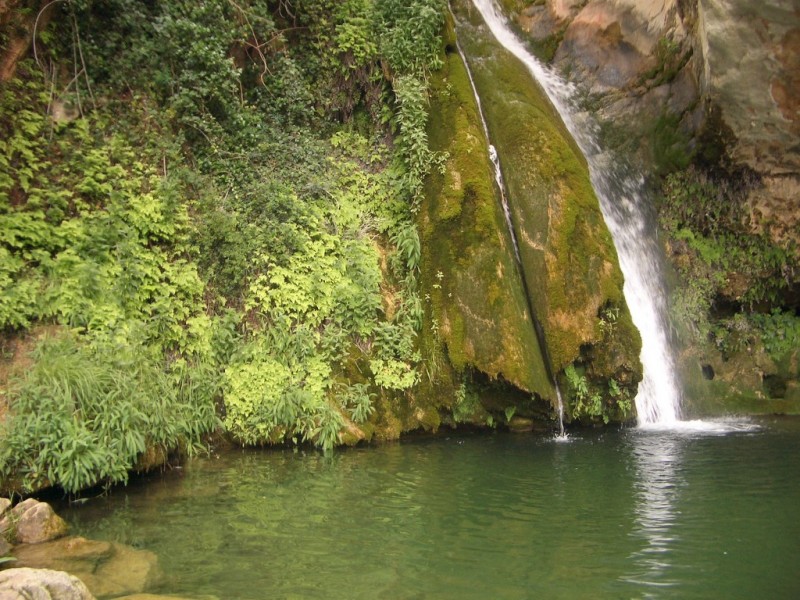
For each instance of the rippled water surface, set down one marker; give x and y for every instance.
(614, 514)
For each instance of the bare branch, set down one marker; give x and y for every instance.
(35, 27)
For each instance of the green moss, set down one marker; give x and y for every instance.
(571, 266)
(476, 312)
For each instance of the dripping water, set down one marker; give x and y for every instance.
(498, 177)
(622, 201)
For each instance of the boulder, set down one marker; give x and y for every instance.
(41, 584)
(39, 523)
(32, 522)
(5, 504)
(107, 568)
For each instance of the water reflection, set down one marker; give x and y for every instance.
(660, 457)
(657, 458)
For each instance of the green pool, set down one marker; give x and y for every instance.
(609, 514)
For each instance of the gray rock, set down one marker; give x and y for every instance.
(41, 584)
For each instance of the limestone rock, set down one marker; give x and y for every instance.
(718, 67)
(107, 568)
(41, 584)
(5, 504)
(39, 523)
(751, 55)
(468, 263)
(568, 257)
(32, 522)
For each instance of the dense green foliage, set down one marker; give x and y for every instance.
(90, 412)
(732, 274)
(210, 204)
(588, 400)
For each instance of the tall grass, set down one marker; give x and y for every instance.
(83, 415)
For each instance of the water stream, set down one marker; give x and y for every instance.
(625, 209)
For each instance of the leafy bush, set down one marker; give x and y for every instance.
(231, 203)
(779, 331)
(409, 34)
(593, 402)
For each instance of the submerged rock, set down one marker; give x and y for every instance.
(107, 568)
(41, 584)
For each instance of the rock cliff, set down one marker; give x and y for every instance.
(679, 73)
(568, 261)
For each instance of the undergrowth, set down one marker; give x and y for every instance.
(213, 203)
(736, 282)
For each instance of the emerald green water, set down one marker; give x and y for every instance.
(613, 514)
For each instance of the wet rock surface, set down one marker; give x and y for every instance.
(107, 568)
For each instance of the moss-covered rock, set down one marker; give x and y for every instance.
(569, 261)
(476, 300)
(749, 381)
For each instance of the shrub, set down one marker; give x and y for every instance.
(83, 415)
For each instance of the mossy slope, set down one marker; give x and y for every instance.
(568, 256)
(477, 301)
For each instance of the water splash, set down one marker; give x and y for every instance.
(501, 186)
(622, 201)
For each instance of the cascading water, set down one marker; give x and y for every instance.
(498, 177)
(622, 202)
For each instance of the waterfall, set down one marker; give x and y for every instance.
(625, 210)
(498, 177)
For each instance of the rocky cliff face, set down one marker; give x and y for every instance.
(469, 267)
(678, 71)
(751, 71)
(711, 84)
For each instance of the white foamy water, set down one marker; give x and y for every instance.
(624, 208)
(705, 427)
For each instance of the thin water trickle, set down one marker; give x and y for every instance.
(562, 435)
(623, 203)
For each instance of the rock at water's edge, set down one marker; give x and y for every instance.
(107, 568)
(32, 522)
(41, 584)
